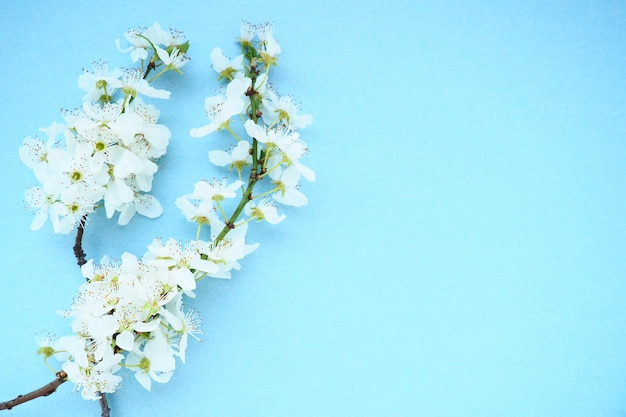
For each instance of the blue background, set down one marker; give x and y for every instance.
(462, 253)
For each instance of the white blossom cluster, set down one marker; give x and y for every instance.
(273, 147)
(130, 313)
(105, 152)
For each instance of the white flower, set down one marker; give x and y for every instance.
(117, 194)
(78, 167)
(148, 112)
(292, 149)
(97, 115)
(46, 342)
(75, 202)
(132, 317)
(142, 40)
(95, 299)
(199, 205)
(271, 136)
(174, 60)
(148, 284)
(286, 181)
(174, 37)
(125, 168)
(139, 48)
(157, 35)
(183, 259)
(238, 158)
(226, 253)
(289, 143)
(283, 108)
(37, 199)
(292, 152)
(101, 83)
(95, 378)
(133, 83)
(247, 32)
(226, 68)
(71, 347)
(265, 34)
(191, 325)
(105, 271)
(140, 133)
(154, 361)
(220, 109)
(202, 211)
(144, 204)
(217, 190)
(264, 210)
(34, 151)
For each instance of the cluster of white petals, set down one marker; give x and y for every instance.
(129, 314)
(105, 155)
(279, 145)
(105, 152)
(168, 45)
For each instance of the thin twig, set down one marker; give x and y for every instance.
(104, 405)
(79, 253)
(46, 390)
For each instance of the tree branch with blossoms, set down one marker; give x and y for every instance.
(129, 314)
(107, 160)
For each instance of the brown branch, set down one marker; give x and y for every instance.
(104, 405)
(46, 390)
(79, 253)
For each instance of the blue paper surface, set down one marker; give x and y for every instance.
(462, 252)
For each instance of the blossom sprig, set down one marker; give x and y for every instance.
(154, 47)
(272, 149)
(105, 152)
(129, 314)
